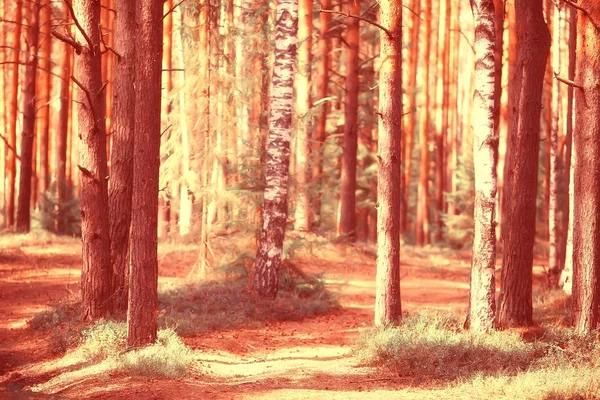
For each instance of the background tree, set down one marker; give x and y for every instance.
(143, 284)
(96, 270)
(274, 213)
(387, 297)
(520, 185)
(586, 222)
(121, 159)
(482, 304)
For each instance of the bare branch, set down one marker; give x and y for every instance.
(412, 11)
(171, 10)
(88, 95)
(567, 81)
(348, 15)
(68, 40)
(10, 147)
(78, 25)
(575, 6)
(106, 46)
(86, 172)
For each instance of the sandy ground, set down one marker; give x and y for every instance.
(310, 359)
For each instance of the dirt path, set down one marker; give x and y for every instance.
(291, 360)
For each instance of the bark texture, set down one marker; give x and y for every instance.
(121, 161)
(347, 219)
(43, 100)
(586, 222)
(303, 110)
(387, 293)
(274, 214)
(28, 135)
(143, 284)
(482, 304)
(96, 271)
(520, 185)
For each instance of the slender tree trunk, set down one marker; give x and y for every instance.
(303, 110)
(423, 186)
(409, 121)
(499, 112)
(482, 305)
(347, 221)
(164, 207)
(43, 115)
(12, 119)
(143, 301)
(586, 222)
(521, 184)
(388, 308)
(268, 257)
(28, 135)
(96, 273)
(320, 132)
(553, 262)
(61, 133)
(565, 257)
(121, 171)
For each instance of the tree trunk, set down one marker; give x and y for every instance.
(62, 130)
(482, 304)
(121, 162)
(521, 183)
(422, 237)
(44, 99)
(409, 121)
(12, 118)
(565, 257)
(553, 196)
(96, 273)
(164, 205)
(303, 110)
(347, 221)
(143, 301)
(586, 222)
(274, 214)
(28, 136)
(388, 308)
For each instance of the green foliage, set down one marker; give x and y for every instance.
(458, 228)
(50, 209)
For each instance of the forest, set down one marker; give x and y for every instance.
(300, 199)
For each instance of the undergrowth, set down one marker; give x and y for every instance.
(433, 347)
(195, 307)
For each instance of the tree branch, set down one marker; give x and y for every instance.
(412, 11)
(567, 81)
(68, 40)
(10, 147)
(88, 95)
(348, 15)
(78, 25)
(106, 46)
(172, 9)
(575, 6)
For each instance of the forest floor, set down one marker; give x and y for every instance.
(304, 359)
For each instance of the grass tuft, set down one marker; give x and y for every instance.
(433, 345)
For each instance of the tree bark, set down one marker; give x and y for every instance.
(96, 273)
(482, 304)
(347, 221)
(303, 111)
(320, 132)
(274, 214)
(23, 224)
(143, 285)
(521, 183)
(121, 162)
(44, 99)
(388, 308)
(11, 163)
(422, 231)
(586, 222)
